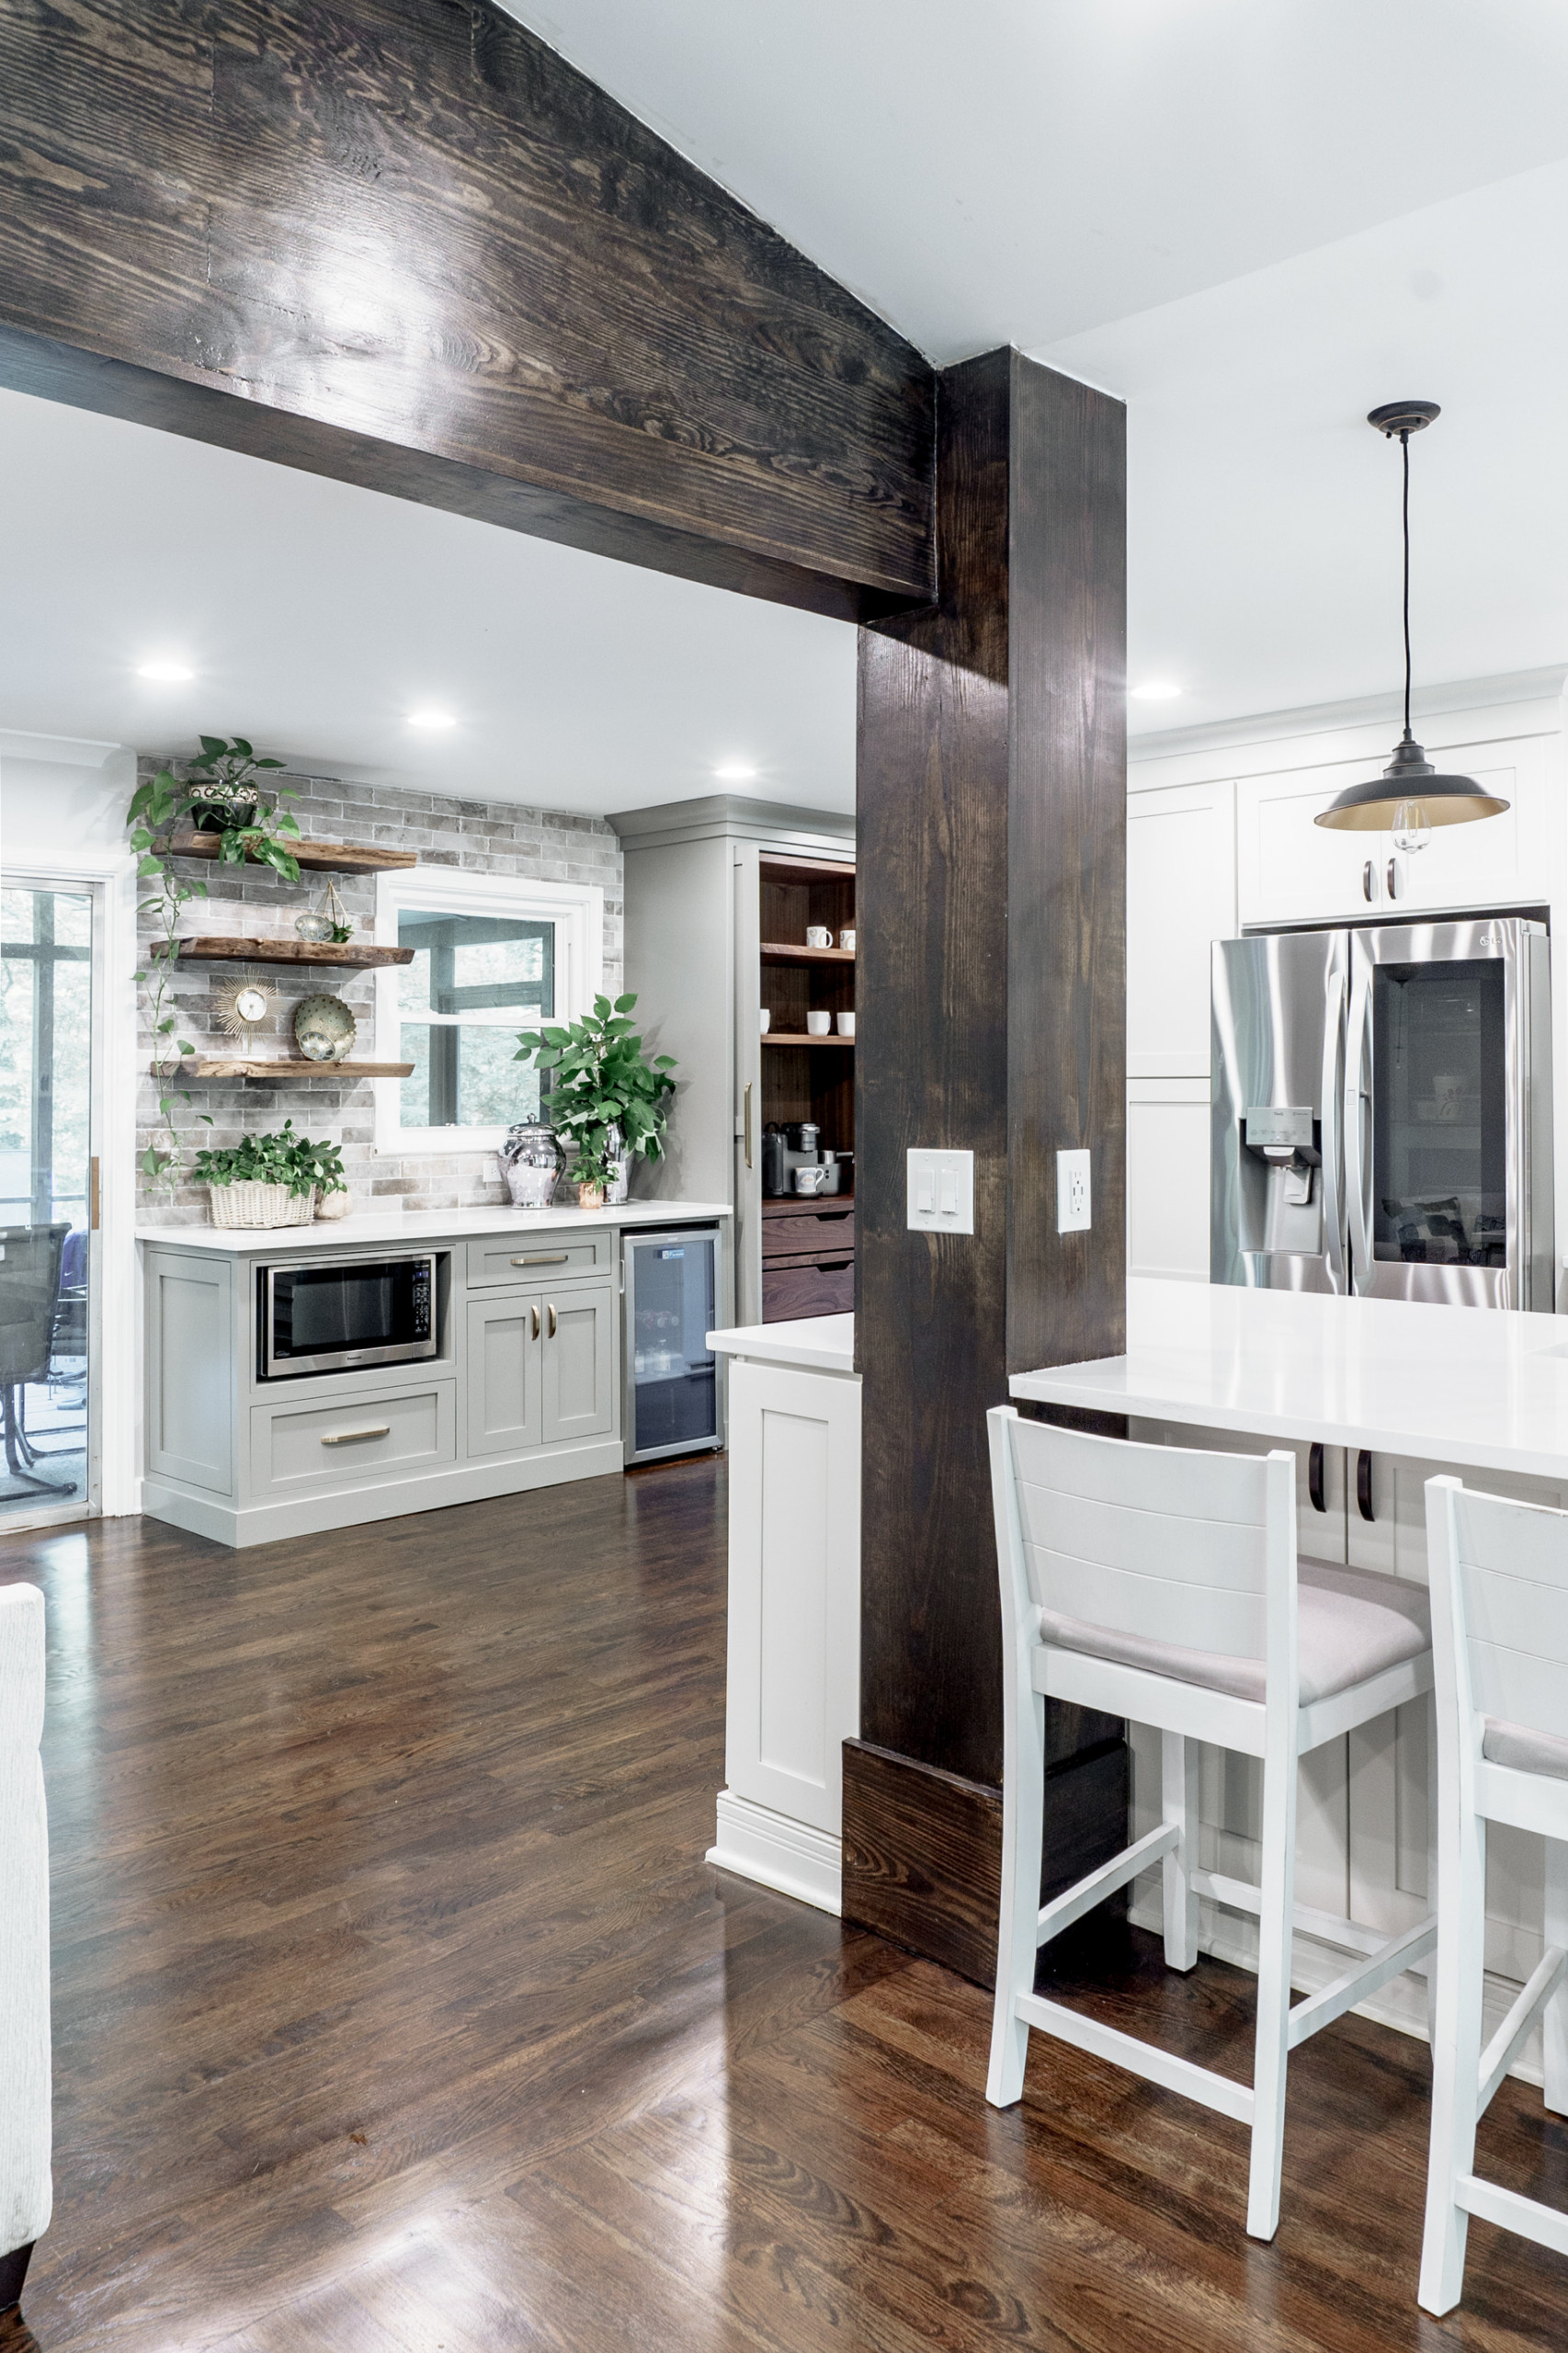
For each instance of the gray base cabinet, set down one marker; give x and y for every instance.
(524, 1392)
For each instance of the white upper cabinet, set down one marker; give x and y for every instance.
(1181, 896)
(1291, 870)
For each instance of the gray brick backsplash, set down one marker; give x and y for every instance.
(478, 837)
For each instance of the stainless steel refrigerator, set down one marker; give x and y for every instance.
(1382, 1112)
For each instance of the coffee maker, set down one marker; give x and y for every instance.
(783, 1151)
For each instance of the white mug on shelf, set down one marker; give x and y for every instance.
(767, 1021)
(818, 936)
(818, 1025)
(847, 1025)
(846, 940)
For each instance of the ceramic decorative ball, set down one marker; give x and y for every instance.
(324, 1029)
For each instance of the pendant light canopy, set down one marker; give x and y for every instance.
(1411, 796)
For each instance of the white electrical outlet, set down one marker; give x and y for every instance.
(941, 1193)
(1072, 1192)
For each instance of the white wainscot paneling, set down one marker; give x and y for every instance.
(794, 1632)
(1168, 1177)
(1181, 896)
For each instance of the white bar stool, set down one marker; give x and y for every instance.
(1160, 1584)
(1500, 1644)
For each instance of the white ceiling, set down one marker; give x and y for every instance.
(316, 616)
(1252, 222)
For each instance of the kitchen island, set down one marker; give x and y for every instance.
(792, 1694)
(522, 1391)
(1373, 1397)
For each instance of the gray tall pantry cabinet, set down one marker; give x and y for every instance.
(698, 875)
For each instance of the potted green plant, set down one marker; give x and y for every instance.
(268, 1180)
(155, 809)
(606, 1098)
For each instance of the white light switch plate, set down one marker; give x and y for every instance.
(1072, 1192)
(941, 1193)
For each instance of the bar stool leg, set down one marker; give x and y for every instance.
(1456, 2054)
(1023, 1832)
(1554, 2018)
(1274, 1934)
(1178, 1803)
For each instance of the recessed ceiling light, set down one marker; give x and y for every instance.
(431, 719)
(1157, 690)
(167, 674)
(735, 772)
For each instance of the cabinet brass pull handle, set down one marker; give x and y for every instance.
(550, 1312)
(352, 1438)
(546, 1258)
(536, 1319)
(1364, 1484)
(1314, 1477)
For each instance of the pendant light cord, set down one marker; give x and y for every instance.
(1404, 447)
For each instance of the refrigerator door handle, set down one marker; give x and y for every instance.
(1357, 1143)
(1332, 1145)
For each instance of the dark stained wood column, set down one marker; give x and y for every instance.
(404, 243)
(991, 829)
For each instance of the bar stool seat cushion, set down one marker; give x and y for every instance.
(1526, 1751)
(1350, 1625)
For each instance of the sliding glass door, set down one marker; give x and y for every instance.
(47, 1203)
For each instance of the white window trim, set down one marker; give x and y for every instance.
(577, 910)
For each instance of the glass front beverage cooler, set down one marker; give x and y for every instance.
(674, 1383)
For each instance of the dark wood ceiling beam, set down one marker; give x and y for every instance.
(403, 243)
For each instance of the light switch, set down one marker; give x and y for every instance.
(941, 1193)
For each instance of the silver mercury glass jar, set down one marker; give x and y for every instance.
(531, 1162)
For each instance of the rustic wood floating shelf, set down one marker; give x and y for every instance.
(345, 957)
(277, 1066)
(803, 1038)
(336, 857)
(775, 951)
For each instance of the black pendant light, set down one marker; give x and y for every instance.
(1410, 797)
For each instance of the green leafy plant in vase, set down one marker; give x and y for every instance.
(221, 786)
(606, 1098)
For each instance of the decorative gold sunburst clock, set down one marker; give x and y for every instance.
(243, 1006)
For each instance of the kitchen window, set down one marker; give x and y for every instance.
(492, 955)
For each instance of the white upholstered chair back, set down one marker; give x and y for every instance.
(1169, 1544)
(26, 2192)
(1500, 1612)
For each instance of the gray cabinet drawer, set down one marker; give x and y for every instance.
(295, 1448)
(540, 1259)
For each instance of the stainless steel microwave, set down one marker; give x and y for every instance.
(335, 1314)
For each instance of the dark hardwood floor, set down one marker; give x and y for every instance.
(397, 2012)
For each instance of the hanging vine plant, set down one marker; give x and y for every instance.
(222, 797)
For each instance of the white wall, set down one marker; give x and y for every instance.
(1214, 816)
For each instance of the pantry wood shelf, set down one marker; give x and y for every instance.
(775, 951)
(336, 857)
(803, 1038)
(277, 1066)
(344, 958)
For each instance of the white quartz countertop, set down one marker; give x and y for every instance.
(426, 1225)
(816, 1343)
(1483, 1387)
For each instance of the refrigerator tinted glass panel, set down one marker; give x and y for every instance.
(1439, 1116)
(674, 1372)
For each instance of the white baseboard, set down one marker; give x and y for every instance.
(757, 1844)
(1401, 2004)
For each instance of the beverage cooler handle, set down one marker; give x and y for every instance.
(1358, 1154)
(1332, 1147)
